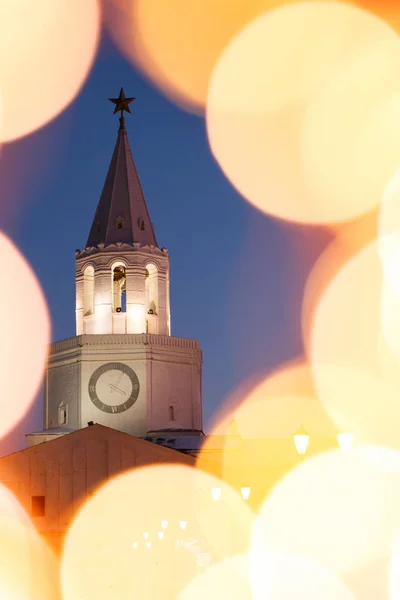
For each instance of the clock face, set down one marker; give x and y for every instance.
(114, 387)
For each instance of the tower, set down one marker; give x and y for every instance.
(123, 369)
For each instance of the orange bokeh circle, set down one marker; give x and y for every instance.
(25, 335)
(46, 51)
(279, 119)
(121, 523)
(28, 569)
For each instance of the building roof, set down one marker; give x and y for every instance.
(121, 214)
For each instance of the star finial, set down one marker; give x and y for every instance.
(121, 104)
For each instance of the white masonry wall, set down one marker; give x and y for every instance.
(169, 373)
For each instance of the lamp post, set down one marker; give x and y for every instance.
(245, 491)
(301, 439)
(345, 440)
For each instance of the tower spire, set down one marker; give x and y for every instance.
(122, 214)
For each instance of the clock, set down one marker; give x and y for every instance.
(114, 387)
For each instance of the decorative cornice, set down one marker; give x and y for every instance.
(124, 340)
(118, 248)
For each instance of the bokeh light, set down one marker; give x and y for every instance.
(25, 335)
(281, 575)
(259, 448)
(389, 232)
(177, 43)
(46, 51)
(394, 573)
(338, 509)
(356, 112)
(228, 579)
(137, 502)
(355, 372)
(270, 115)
(347, 240)
(28, 569)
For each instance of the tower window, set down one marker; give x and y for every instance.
(171, 413)
(62, 414)
(38, 507)
(119, 223)
(88, 291)
(151, 295)
(119, 289)
(141, 224)
(98, 226)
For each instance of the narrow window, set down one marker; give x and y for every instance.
(119, 223)
(141, 224)
(38, 506)
(88, 291)
(62, 414)
(151, 290)
(119, 289)
(98, 226)
(171, 413)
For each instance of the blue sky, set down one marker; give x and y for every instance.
(236, 275)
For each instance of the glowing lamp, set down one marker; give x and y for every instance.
(216, 493)
(183, 524)
(160, 535)
(148, 544)
(301, 439)
(146, 535)
(245, 492)
(164, 524)
(345, 440)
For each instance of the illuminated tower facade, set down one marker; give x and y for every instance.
(123, 369)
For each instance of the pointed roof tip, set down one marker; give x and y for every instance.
(122, 214)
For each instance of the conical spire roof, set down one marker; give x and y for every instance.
(122, 214)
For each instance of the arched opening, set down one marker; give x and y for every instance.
(62, 414)
(119, 288)
(88, 291)
(151, 289)
(171, 412)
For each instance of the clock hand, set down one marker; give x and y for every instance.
(117, 389)
(119, 378)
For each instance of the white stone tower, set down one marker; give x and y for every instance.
(123, 369)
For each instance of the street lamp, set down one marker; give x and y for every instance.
(183, 525)
(164, 524)
(134, 545)
(245, 492)
(216, 493)
(345, 440)
(160, 535)
(148, 544)
(146, 535)
(301, 439)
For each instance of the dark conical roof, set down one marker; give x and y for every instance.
(122, 214)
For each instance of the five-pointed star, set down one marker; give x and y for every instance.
(122, 103)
